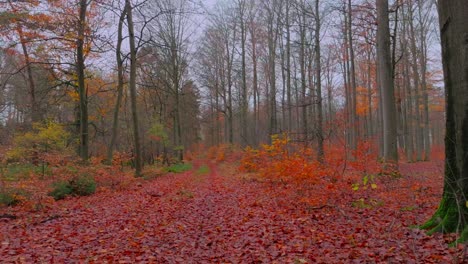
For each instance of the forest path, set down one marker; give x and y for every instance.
(211, 214)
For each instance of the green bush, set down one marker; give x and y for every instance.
(61, 190)
(78, 186)
(12, 197)
(83, 186)
(178, 168)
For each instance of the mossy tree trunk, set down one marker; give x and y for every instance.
(452, 215)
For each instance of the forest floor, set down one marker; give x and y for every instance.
(212, 214)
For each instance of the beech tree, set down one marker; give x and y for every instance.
(452, 214)
(386, 82)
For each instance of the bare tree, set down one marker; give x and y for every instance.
(386, 83)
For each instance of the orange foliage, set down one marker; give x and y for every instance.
(223, 152)
(283, 161)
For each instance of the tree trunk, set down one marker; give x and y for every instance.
(288, 68)
(120, 85)
(256, 98)
(386, 83)
(452, 215)
(244, 99)
(318, 72)
(354, 118)
(82, 91)
(302, 62)
(416, 74)
(132, 88)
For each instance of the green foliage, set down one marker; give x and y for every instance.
(158, 133)
(367, 181)
(12, 196)
(61, 190)
(83, 186)
(78, 186)
(179, 148)
(48, 137)
(22, 171)
(178, 168)
(203, 170)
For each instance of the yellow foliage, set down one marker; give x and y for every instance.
(43, 138)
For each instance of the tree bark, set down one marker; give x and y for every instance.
(132, 88)
(452, 215)
(386, 83)
(244, 99)
(318, 86)
(417, 112)
(120, 85)
(82, 91)
(354, 118)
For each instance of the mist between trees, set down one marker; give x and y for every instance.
(223, 72)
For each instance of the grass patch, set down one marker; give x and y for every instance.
(203, 170)
(178, 168)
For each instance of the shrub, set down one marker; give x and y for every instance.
(83, 186)
(44, 138)
(12, 197)
(61, 190)
(178, 168)
(283, 161)
(77, 186)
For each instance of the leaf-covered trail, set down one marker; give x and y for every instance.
(219, 217)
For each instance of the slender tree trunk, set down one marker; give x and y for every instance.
(425, 99)
(244, 99)
(386, 82)
(302, 62)
(370, 127)
(120, 85)
(416, 74)
(288, 68)
(354, 117)
(229, 61)
(318, 79)
(35, 113)
(256, 98)
(82, 91)
(132, 88)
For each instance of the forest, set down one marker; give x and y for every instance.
(233, 131)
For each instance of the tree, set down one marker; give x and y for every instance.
(120, 85)
(386, 82)
(318, 72)
(452, 214)
(80, 68)
(132, 88)
(241, 6)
